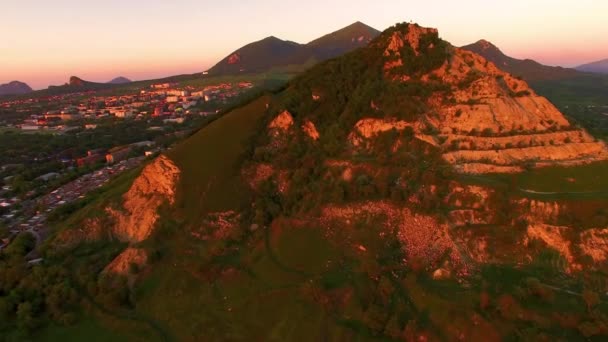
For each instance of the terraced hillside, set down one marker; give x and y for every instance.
(340, 209)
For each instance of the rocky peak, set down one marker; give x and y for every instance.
(76, 81)
(409, 34)
(486, 45)
(487, 120)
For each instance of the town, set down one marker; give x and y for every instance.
(164, 100)
(88, 138)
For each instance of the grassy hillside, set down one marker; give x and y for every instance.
(292, 259)
(209, 162)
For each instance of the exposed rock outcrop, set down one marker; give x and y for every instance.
(311, 130)
(155, 185)
(124, 263)
(90, 230)
(594, 243)
(368, 128)
(282, 122)
(398, 40)
(553, 236)
(519, 127)
(423, 237)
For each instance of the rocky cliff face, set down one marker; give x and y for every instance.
(472, 116)
(135, 221)
(126, 261)
(491, 122)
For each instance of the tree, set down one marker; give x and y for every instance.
(25, 317)
(22, 245)
(5, 309)
(591, 299)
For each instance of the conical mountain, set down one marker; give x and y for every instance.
(397, 192)
(14, 88)
(272, 53)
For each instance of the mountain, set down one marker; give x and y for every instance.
(529, 69)
(260, 56)
(120, 80)
(75, 84)
(271, 53)
(573, 91)
(409, 190)
(600, 67)
(342, 41)
(14, 88)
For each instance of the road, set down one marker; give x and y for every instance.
(35, 213)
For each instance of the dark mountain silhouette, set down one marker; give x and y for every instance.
(120, 80)
(14, 88)
(599, 67)
(273, 52)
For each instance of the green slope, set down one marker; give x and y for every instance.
(208, 161)
(298, 277)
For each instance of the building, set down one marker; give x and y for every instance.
(90, 160)
(172, 99)
(175, 120)
(49, 176)
(187, 105)
(145, 143)
(177, 92)
(30, 127)
(123, 113)
(158, 110)
(118, 154)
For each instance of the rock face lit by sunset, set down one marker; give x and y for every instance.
(289, 171)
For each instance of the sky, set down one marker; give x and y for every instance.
(45, 42)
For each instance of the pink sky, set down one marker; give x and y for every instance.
(45, 42)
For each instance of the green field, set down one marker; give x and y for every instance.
(210, 179)
(556, 182)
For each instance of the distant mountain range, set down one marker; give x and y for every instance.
(272, 53)
(14, 88)
(600, 67)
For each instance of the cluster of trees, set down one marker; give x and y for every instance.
(32, 294)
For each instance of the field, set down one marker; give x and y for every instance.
(210, 179)
(576, 182)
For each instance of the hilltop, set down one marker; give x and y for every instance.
(408, 190)
(572, 90)
(14, 88)
(600, 67)
(272, 53)
(529, 69)
(120, 80)
(342, 41)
